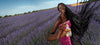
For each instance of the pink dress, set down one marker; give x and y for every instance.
(65, 40)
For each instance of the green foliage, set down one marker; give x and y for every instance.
(10, 15)
(29, 12)
(6, 16)
(34, 11)
(25, 13)
(16, 14)
(0, 16)
(87, 43)
(84, 2)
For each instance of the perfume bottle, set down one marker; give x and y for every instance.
(68, 30)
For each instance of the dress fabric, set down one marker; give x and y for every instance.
(65, 40)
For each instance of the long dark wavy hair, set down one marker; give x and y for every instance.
(79, 21)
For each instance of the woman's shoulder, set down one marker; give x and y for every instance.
(59, 18)
(69, 23)
(68, 20)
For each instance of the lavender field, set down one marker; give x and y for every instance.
(33, 28)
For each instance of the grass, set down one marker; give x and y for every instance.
(87, 43)
(44, 35)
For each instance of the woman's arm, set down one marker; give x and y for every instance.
(56, 25)
(52, 37)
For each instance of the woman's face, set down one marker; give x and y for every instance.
(61, 8)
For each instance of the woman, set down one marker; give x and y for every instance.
(65, 40)
(79, 23)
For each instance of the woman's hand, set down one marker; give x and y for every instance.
(61, 33)
(63, 26)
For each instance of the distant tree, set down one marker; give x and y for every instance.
(29, 12)
(15, 14)
(35, 11)
(25, 13)
(0, 16)
(10, 15)
(85, 1)
(6, 16)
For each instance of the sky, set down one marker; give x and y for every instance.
(11, 7)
